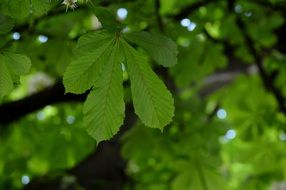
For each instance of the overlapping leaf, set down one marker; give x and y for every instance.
(92, 52)
(104, 107)
(98, 65)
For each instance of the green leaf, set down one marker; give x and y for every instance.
(58, 54)
(92, 41)
(40, 7)
(162, 49)
(197, 61)
(93, 50)
(6, 82)
(6, 24)
(104, 107)
(11, 66)
(152, 101)
(17, 64)
(20, 9)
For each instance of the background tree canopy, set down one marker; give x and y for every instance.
(143, 95)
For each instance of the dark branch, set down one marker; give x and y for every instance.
(220, 79)
(13, 111)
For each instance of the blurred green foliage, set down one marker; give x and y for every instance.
(233, 138)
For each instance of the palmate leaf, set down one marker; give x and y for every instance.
(152, 101)
(93, 51)
(11, 67)
(104, 107)
(162, 49)
(98, 67)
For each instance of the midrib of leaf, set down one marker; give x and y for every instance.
(102, 53)
(142, 79)
(109, 84)
(103, 89)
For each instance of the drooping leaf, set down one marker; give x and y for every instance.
(162, 49)
(152, 101)
(104, 107)
(93, 50)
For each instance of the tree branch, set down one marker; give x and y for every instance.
(106, 162)
(220, 79)
(13, 111)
